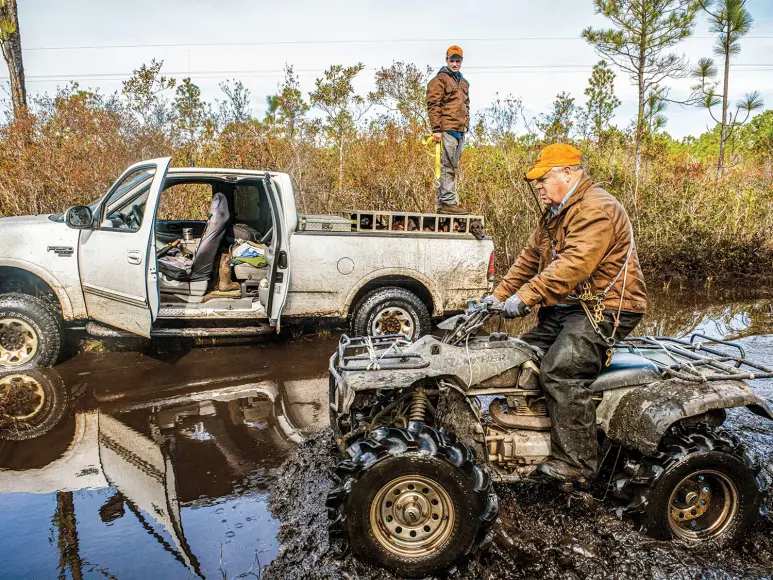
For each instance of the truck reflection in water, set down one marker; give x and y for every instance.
(206, 450)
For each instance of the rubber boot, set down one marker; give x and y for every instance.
(224, 281)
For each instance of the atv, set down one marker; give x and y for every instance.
(425, 428)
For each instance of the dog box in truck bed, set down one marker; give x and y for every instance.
(398, 221)
(395, 221)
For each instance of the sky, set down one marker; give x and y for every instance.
(532, 50)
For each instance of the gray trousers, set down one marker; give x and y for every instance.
(573, 359)
(449, 164)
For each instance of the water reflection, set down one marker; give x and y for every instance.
(146, 482)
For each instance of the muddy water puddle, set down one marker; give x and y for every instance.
(154, 466)
(185, 463)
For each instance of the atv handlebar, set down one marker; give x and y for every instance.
(493, 308)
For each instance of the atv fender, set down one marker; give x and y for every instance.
(637, 418)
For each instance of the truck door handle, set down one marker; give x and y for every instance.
(134, 257)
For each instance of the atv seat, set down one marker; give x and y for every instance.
(626, 370)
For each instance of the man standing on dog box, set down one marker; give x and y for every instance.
(448, 104)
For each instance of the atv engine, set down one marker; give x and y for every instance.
(519, 433)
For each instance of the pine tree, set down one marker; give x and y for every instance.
(643, 33)
(602, 100)
(343, 107)
(191, 114)
(730, 21)
(559, 123)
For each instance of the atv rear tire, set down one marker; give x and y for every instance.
(704, 487)
(391, 310)
(31, 333)
(413, 503)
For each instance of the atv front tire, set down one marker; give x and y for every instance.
(31, 333)
(704, 487)
(413, 503)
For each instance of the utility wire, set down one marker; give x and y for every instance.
(480, 70)
(348, 41)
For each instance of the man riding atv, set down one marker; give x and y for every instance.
(425, 427)
(580, 266)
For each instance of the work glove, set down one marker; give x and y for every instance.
(490, 299)
(515, 307)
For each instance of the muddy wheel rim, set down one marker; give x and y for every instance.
(392, 320)
(21, 397)
(703, 505)
(412, 516)
(18, 342)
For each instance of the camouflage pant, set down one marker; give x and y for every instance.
(449, 164)
(574, 355)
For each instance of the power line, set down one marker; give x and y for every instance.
(487, 69)
(333, 41)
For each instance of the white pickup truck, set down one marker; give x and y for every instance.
(108, 268)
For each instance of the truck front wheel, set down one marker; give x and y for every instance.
(391, 310)
(31, 333)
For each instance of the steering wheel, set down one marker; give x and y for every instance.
(136, 215)
(267, 236)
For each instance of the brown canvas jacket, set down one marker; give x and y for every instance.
(592, 233)
(448, 103)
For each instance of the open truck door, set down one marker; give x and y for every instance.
(279, 268)
(117, 255)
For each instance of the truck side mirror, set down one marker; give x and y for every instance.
(79, 217)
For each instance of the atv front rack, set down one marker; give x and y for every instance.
(691, 360)
(374, 353)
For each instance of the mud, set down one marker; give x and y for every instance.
(540, 533)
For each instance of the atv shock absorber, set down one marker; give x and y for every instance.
(418, 405)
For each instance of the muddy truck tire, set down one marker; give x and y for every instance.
(705, 486)
(31, 403)
(414, 503)
(391, 310)
(31, 333)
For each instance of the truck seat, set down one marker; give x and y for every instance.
(246, 232)
(247, 272)
(191, 273)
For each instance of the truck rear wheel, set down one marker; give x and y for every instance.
(31, 333)
(705, 487)
(413, 503)
(391, 310)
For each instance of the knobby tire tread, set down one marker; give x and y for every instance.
(636, 482)
(386, 442)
